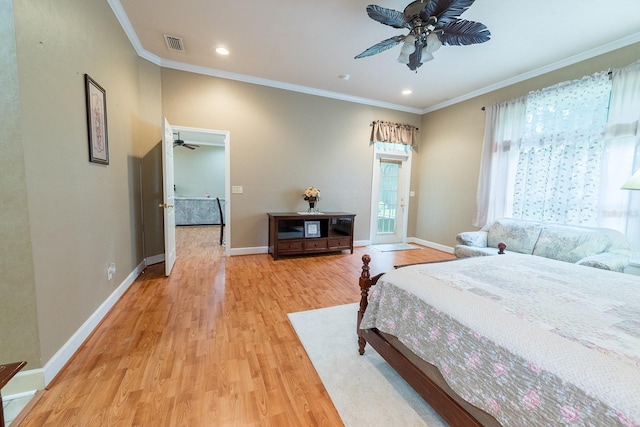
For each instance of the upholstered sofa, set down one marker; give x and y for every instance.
(591, 246)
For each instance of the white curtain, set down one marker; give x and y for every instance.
(620, 208)
(503, 129)
(558, 171)
(562, 153)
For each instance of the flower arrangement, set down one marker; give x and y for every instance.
(311, 193)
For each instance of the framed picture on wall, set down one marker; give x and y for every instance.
(312, 229)
(97, 121)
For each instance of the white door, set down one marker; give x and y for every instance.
(168, 198)
(390, 195)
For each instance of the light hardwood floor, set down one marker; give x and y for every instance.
(211, 345)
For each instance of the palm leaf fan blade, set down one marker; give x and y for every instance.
(463, 33)
(382, 46)
(448, 10)
(390, 17)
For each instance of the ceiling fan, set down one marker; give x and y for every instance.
(431, 23)
(180, 143)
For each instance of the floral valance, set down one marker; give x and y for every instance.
(394, 132)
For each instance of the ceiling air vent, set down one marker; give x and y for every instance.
(174, 43)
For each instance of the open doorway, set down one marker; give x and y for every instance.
(201, 170)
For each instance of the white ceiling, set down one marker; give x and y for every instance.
(306, 45)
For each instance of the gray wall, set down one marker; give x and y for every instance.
(199, 172)
(18, 309)
(280, 143)
(64, 218)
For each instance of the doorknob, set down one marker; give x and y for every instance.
(162, 205)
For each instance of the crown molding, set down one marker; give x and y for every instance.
(281, 85)
(617, 44)
(122, 17)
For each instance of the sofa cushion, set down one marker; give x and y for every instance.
(606, 261)
(473, 238)
(570, 244)
(519, 235)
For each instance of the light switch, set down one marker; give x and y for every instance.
(236, 189)
(412, 193)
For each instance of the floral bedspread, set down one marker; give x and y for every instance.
(530, 340)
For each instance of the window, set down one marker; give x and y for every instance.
(561, 155)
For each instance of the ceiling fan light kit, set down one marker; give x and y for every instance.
(431, 24)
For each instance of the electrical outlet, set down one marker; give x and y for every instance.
(111, 271)
(236, 189)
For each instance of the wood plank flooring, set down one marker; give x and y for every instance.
(211, 345)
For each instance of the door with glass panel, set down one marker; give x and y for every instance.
(389, 209)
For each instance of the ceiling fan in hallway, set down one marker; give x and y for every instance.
(180, 143)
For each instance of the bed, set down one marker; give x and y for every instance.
(509, 340)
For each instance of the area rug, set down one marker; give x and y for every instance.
(365, 390)
(394, 247)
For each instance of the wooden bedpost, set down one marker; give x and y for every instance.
(366, 281)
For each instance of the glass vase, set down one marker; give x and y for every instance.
(313, 205)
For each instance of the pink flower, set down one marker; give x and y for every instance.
(452, 338)
(494, 406)
(392, 326)
(434, 334)
(535, 368)
(570, 413)
(446, 369)
(499, 369)
(531, 400)
(625, 421)
(474, 361)
(419, 316)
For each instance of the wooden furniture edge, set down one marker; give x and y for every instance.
(454, 414)
(7, 371)
(425, 262)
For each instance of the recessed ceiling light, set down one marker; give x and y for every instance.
(407, 92)
(222, 51)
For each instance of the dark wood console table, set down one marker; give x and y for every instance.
(6, 373)
(291, 233)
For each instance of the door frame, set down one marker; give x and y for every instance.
(405, 158)
(227, 176)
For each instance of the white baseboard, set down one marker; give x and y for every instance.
(36, 379)
(438, 246)
(155, 259)
(64, 354)
(28, 381)
(249, 251)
